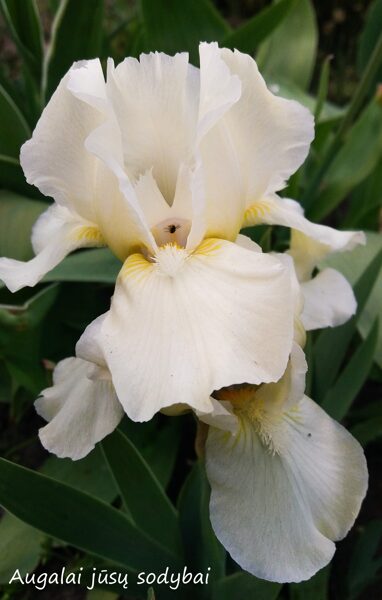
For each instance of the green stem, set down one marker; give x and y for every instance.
(354, 107)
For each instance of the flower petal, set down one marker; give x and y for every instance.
(56, 233)
(155, 101)
(328, 300)
(189, 324)
(80, 411)
(55, 159)
(219, 88)
(278, 512)
(271, 135)
(310, 242)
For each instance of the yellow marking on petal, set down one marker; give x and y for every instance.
(208, 247)
(249, 406)
(254, 215)
(91, 235)
(137, 266)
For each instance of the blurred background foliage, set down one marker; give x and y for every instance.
(328, 55)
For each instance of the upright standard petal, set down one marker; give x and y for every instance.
(283, 489)
(271, 135)
(56, 233)
(328, 300)
(55, 159)
(80, 411)
(155, 101)
(189, 324)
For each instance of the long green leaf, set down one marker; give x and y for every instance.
(315, 588)
(14, 129)
(368, 430)
(249, 36)
(21, 546)
(289, 53)
(97, 265)
(78, 519)
(242, 586)
(76, 35)
(202, 548)
(12, 177)
(172, 26)
(24, 23)
(331, 345)
(341, 396)
(141, 492)
(354, 162)
(364, 564)
(369, 38)
(17, 215)
(352, 265)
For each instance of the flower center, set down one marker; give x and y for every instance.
(170, 259)
(172, 231)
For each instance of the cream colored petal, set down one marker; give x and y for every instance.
(221, 416)
(117, 208)
(155, 101)
(271, 135)
(189, 324)
(55, 159)
(219, 88)
(310, 242)
(328, 300)
(56, 233)
(277, 506)
(80, 412)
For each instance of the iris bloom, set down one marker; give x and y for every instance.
(286, 479)
(297, 475)
(164, 163)
(161, 162)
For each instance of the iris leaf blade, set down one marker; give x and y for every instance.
(78, 519)
(141, 492)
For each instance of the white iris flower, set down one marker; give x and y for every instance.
(164, 163)
(161, 163)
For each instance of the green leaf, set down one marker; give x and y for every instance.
(365, 199)
(315, 588)
(329, 113)
(17, 215)
(242, 586)
(12, 177)
(90, 474)
(364, 564)
(157, 440)
(23, 21)
(352, 265)
(289, 53)
(20, 547)
(172, 26)
(97, 265)
(14, 129)
(78, 519)
(249, 36)
(77, 34)
(340, 397)
(368, 430)
(356, 159)
(323, 88)
(29, 314)
(202, 549)
(331, 345)
(141, 492)
(369, 38)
